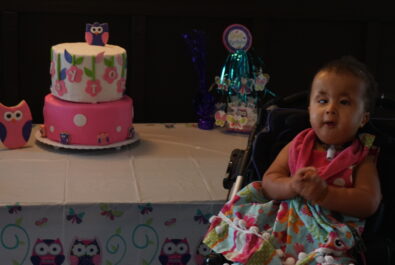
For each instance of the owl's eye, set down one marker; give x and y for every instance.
(182, 248)
(96, 30)
(169, 248)
(8, 116)
(41, 249)
(55, 249)
(18, 115)
(204, 250)
(93, 30)
(78, 250)
(99, 29)
(92, 250)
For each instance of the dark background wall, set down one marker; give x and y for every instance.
(293, 38)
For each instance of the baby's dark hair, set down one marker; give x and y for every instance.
(350, 65)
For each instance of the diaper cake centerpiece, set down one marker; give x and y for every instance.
(241, 88)
(87, 106)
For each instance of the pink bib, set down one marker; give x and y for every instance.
(337, 171)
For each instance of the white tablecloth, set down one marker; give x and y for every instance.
(132, 201)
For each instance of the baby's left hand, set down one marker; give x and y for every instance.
(298, 181)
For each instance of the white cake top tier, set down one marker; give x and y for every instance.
(88, 73)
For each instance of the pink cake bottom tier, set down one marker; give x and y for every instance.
(88, 123)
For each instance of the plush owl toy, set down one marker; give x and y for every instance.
(97, 34)
(15, 125)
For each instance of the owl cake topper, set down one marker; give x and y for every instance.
(15, 125)
(97, 34)
(237, 37)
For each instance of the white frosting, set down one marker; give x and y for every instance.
(84, 49)
(80, 120)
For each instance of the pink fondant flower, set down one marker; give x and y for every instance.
(93, 87)
(52, 69)
(74, 74)
(60, 87)
(121, 85)
(110, 74)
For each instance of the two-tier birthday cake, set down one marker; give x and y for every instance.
(87, 105)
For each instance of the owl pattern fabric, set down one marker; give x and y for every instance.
(251, 229)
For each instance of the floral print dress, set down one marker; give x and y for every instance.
(251, 229)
